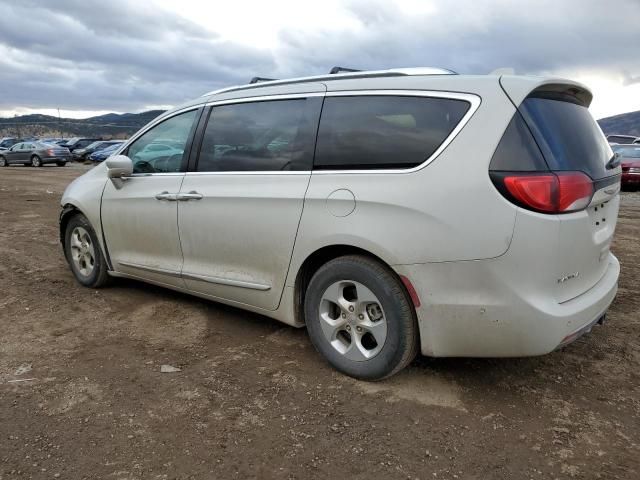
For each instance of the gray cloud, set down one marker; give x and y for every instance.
(121, 55)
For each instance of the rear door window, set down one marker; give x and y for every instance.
(567, 134)
(384, 131)
(275, 135)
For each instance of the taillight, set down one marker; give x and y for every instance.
(548, 192)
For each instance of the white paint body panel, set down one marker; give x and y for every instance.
(242, 229)
(142, 232)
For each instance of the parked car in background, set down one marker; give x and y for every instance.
(630, 163)
(621, 139)
(80, 154)
(337, 202)
(35, 154)
(52, 140)
(105, 153)
(74, 143)
(7, 142)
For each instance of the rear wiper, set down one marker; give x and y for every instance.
(614, 162)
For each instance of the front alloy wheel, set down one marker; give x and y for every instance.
(83, 253)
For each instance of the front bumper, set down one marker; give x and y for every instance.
(470, 309)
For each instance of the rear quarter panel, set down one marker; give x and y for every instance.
(446, 211)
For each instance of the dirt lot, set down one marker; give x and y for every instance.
(82, 395)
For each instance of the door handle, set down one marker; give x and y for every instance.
(192, 195)
(170, 197)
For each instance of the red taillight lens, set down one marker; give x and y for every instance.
(575, 191)
(535, 191)
(560, 192)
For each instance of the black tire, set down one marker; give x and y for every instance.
(36, 161)
(3, 162)
(401, 343)
(61, 164)
(99, 276)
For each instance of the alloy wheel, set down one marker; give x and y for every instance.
(82, 251)
(352, 320)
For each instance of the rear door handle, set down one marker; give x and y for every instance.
(192, 195)
(170, 197)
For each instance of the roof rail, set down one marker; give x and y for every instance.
(261, 79)
(342, 75)
(335, 70)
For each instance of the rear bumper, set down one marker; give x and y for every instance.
(630, 179)
(471, 309)
(60, 158)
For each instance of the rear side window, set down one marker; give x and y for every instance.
(517, 150)
(567, 134)
(377, 132)
(273, 135)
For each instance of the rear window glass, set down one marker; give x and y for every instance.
(373, 132)
(567, 134)
(628, 152)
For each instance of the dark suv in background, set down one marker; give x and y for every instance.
(80, 154)
(8, 142)
(75, 143)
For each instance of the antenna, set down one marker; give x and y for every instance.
(335, 70)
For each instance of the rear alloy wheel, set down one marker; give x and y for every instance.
(83, 253)
(3, 162)
(36, 161)
(360, 318)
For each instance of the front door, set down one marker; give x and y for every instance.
(16, 154)
(241, 206)
(140, 214)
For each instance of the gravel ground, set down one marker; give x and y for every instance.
(82, 394)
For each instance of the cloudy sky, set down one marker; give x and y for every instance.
(85, 56)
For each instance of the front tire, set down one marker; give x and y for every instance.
(3, 162)
(360, 318)
(83, 252)
(36, 161)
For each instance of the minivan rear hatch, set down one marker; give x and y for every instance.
(573, 144)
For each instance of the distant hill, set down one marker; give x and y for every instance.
(624, 124)
(111, 125)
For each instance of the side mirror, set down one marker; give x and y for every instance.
(119, 166)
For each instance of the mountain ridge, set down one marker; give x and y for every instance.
(622, 124)
(109, 125)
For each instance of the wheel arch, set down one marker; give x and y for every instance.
(68, 211)
(319, 257)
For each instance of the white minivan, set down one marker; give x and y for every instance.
(387, 211)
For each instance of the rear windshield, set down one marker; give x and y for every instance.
(567, 134)
(628, 152)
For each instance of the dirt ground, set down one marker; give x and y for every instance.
(82, 394)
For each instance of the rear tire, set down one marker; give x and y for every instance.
(83, 252)
(370, 331)
(61, 164)
(3, 162)
(36, 161)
